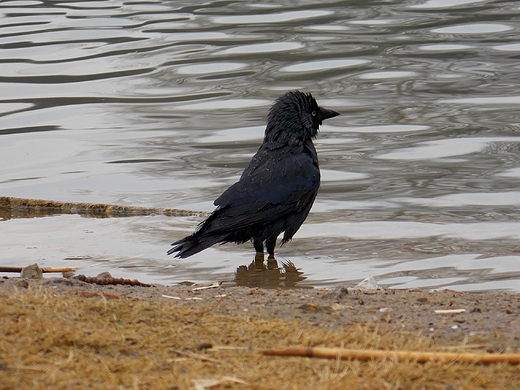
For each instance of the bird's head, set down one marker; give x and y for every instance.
(295, 117)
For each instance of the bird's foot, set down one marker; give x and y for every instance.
(259, 256)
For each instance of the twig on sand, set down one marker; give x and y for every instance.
(214, 285)
(105, 279)
(415, 356)
(197, 356)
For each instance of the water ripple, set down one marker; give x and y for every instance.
(313, 66)
(475, 28)
(275, 17)
(163, 104)
(258, 48)
(432, 4)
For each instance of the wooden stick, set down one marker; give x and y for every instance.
(420, 357)
(44, 270)
(40, 206)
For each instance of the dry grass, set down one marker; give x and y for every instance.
(69, 341)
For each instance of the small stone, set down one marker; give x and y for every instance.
(32, 271)
(368, 285)
(104, 275)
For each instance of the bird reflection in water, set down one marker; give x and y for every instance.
(270, 274)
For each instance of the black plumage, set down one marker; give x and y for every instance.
(276, 190)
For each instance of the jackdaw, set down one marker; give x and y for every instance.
(277, 188)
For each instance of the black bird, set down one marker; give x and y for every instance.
(277, 188)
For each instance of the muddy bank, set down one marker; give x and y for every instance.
(63, 332)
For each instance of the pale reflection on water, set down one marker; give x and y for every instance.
(162, 104)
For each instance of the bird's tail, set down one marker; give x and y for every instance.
(210, 232)
(193, 244)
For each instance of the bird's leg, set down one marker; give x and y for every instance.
(259, 248)
(270, 243)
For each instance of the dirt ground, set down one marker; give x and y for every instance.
(65, 334)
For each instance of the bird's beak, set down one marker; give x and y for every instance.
(326, 113)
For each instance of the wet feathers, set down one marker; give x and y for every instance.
(276, 190)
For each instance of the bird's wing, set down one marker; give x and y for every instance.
(277, 183)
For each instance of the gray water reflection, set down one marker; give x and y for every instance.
(162, 104)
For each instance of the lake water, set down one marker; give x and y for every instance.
(163, 103)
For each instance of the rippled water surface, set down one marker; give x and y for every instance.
(163, 103)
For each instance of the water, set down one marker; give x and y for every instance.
(163, 103)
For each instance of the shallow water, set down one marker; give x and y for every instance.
(163, 103)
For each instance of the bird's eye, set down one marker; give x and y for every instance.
(313, 113)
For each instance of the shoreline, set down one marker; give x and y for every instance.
(173, 336)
